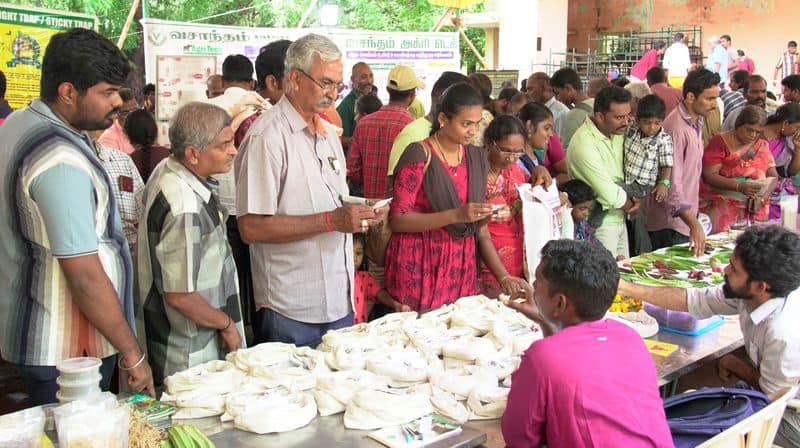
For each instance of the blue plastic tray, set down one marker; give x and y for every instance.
(714, 322)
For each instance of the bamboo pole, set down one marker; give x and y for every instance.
(460, 25)
(472, 47)
(307, 13)
(127, 25)
(448, 12)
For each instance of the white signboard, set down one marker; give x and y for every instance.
(429, 54)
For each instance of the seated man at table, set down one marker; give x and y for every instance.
(761, 286)
(591, 381)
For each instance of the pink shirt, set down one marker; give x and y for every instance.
(648, 61)
(671, 96)
(114, 137)
(687, 168)
(589, 385)
(747, 64)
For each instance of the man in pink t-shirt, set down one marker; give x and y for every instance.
(590, 382)
(648, 61)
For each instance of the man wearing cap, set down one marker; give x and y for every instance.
(371, 146)
(374, 135)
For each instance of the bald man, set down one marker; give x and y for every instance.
(539, 90)
(362, 84)
(214, 86)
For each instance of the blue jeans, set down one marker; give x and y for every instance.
(40, 381)
(275, 327)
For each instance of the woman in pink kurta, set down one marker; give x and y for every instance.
(439, 212)
(505, 143)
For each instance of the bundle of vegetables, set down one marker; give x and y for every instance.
(662, 281)
(676, 266)
(186, 436)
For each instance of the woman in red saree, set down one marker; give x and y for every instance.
(505, 143)
(439, 212)
(737, 166)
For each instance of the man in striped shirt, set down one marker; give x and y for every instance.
(787, 64)
(65, 266)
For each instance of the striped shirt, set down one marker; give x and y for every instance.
(183, 249)
(57, 202)
(731, 101)
(787, 64)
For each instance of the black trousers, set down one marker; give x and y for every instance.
(241, 256)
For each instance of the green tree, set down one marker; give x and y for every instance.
(382, 15)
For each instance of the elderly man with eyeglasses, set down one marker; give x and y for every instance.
(292, 178)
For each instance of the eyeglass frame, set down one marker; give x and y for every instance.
(506, 153)
(331, 86)
(123, 114)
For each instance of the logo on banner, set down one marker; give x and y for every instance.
(26, 51)
(157, 39)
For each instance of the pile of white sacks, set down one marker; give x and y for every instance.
(456, 361)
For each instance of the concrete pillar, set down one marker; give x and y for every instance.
(553, 31)
(518, 30)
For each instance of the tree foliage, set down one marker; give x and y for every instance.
(381, 15)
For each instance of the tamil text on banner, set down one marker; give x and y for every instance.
(24, 35)
(170, 45)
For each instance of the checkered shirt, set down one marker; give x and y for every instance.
(643, 156)
(371, 145)
(184, 249)
(119, 165)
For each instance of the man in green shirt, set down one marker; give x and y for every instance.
(595, 157)
(362, 84)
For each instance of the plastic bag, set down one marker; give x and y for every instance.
(277, 410)
(22, 429)
(99, 423)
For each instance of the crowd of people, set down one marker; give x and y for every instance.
(262, 207)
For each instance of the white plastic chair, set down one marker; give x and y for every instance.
(756, 431)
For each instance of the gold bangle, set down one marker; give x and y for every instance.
(504, 278)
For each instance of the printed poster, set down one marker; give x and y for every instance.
(181, 79)
(24, 35)
(429, 54)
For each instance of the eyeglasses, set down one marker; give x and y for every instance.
(123, 114)
(508, 152)
(326, 84)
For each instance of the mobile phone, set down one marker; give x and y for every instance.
(382, 202)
